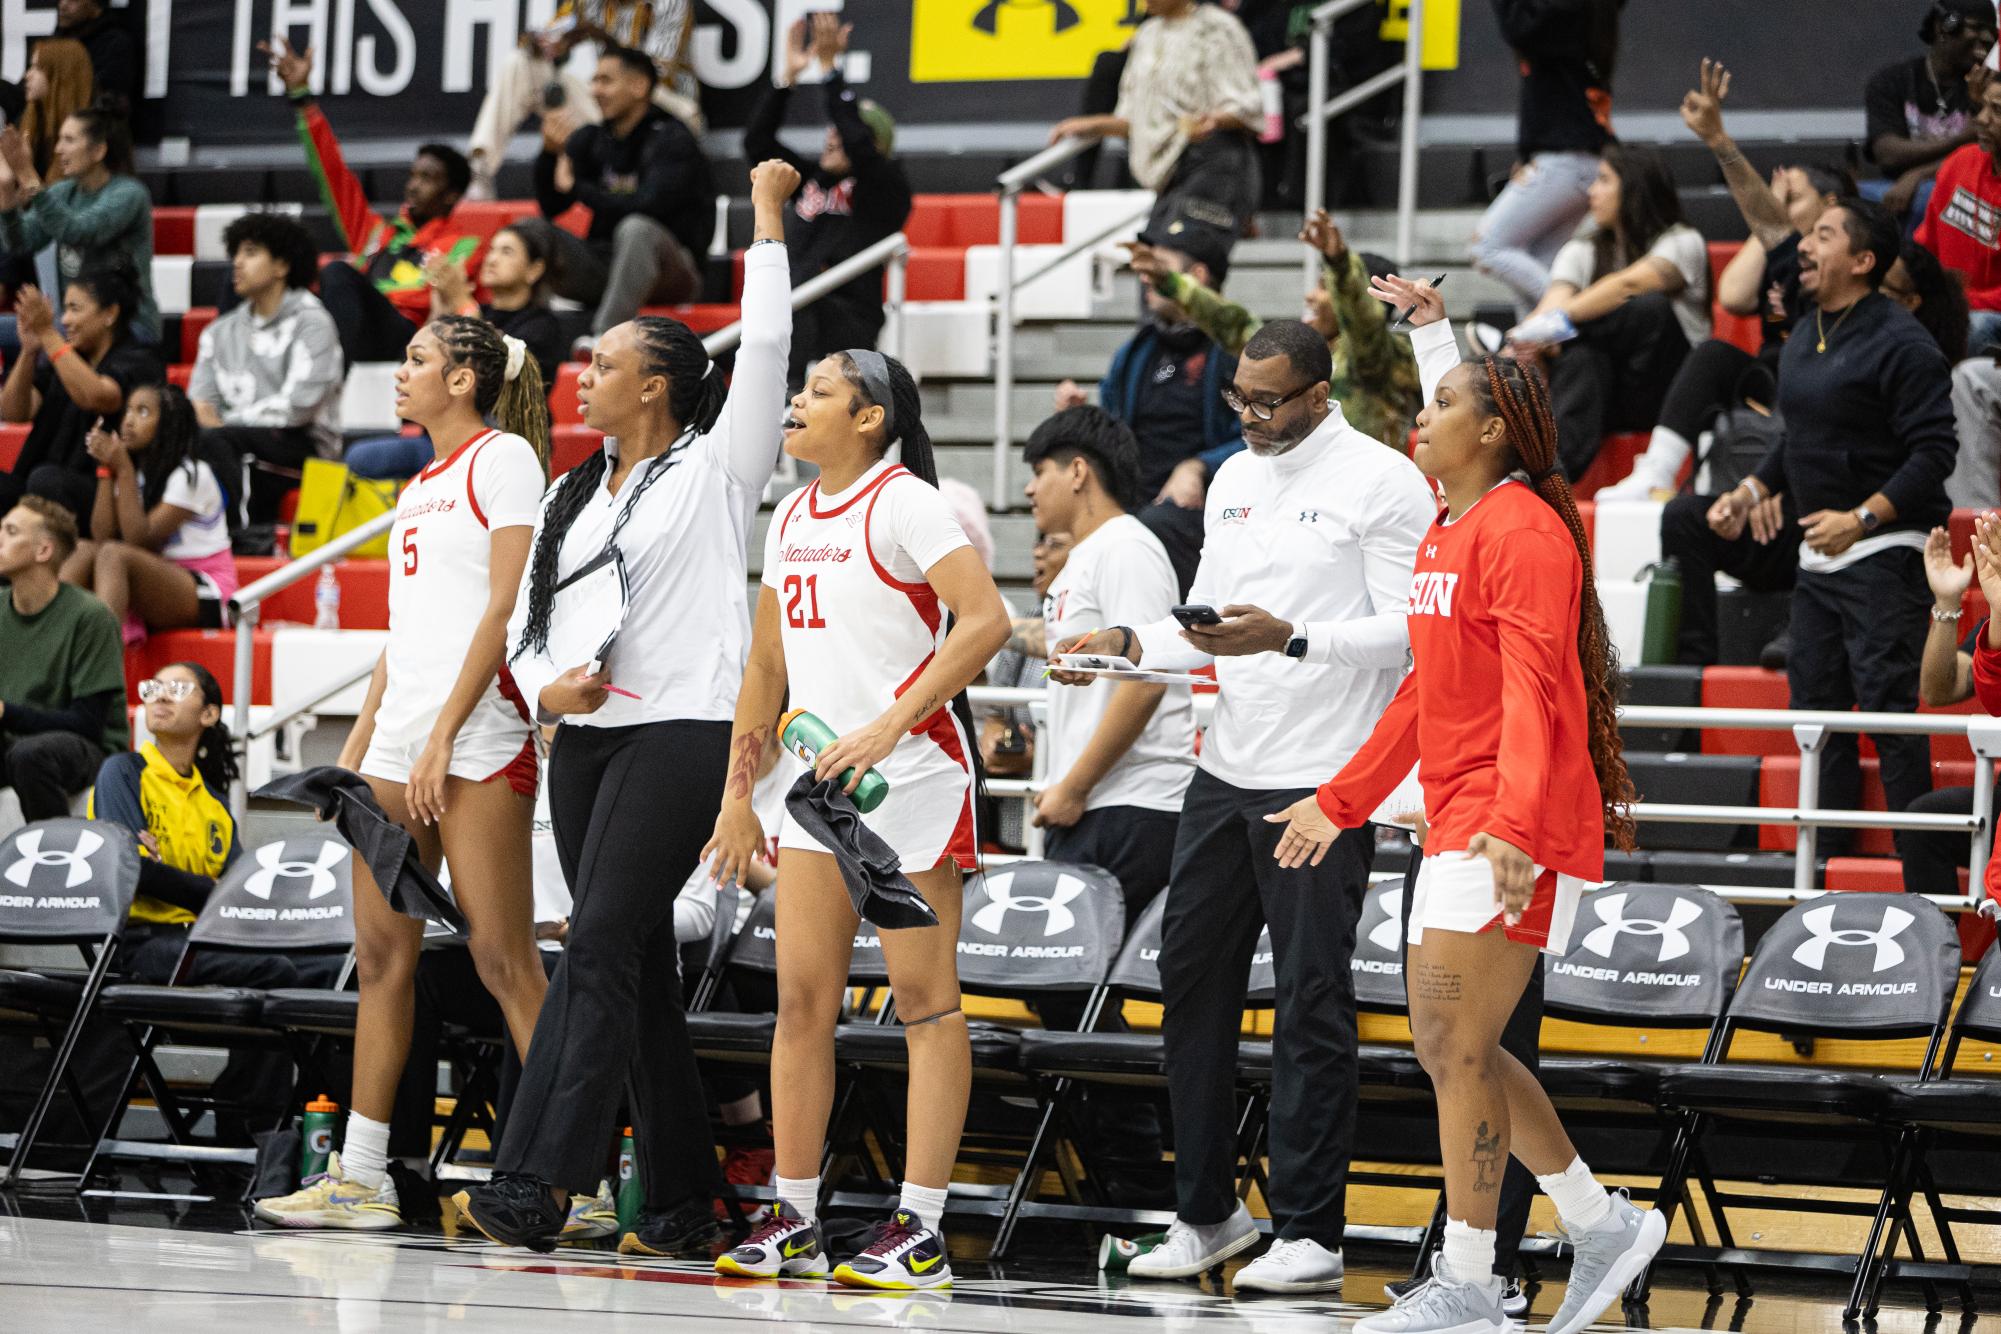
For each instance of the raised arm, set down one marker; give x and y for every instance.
(1702, 111)
(361, 227)
(757, 393)
(1402, 510)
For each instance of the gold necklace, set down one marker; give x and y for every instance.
(1821, 346)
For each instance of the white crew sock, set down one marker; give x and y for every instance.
(1580, 1201)
(802, 1193)
(1666, 452)
(364, 1154)
(1468, 1255)
(926, 1203)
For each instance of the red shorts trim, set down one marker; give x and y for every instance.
(521, 772)
(1533, 929)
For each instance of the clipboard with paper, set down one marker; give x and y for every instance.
(587, 611)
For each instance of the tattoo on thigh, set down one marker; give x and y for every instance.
(1488, 1160)
(1431, 982)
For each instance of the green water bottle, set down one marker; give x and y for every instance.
(631, 1195)
(806, 736)
(316, 1134)
(1661, 636)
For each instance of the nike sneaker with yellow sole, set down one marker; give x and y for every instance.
(783, 1246)
(902, 1256)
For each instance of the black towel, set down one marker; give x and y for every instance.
(882, 894)
(343, 796)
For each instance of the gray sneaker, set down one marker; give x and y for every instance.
(1606, 1259)
(1191, 1251)
(1439, 1307)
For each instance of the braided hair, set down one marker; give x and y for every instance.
(695, 396)
(215, 758)
(520, 404)
(906, 409)
(174, 437)
(1519, 396)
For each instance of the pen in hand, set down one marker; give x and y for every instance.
(1398, 321)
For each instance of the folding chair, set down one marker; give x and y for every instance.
(1862, 967)
(295, 896)
(1952, 1114)
(62, 882)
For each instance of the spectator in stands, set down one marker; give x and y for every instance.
(380, 295)
(66, 382)
(159, 551)
(1166, 383)
(1300, 685)
(1762, 556)
(854, 195)
(1976, 412)
(1959, 224)
(648, 187)
(62, 678)
(97, 214)
(1761, 279)
(534, 80)
(1375, 376)
(114, 56)
(57, 86)
(1567, 49)
(1867, 446)
(1932, 861)
(1624, 305)
(1921, 110)
(1189, 112)
(267, 376)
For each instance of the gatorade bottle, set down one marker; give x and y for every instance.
(316, 1132)
(631, 1195)
(806, 736)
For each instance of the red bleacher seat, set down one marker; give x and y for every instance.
(563, 409)
(936, 273)
(193, 322)
(173, 230)
(1756, 688)
(486, 216)
(1746, 331)
(701, 318)
(179, 375)
(364, 593)
(569, 446)
(965, 220)
(1877, 875)
(1779, 785)
(12, 436)
(213, 649)
(1613, 464)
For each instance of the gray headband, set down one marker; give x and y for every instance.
(874, 370)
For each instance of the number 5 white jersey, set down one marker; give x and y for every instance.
(859, 625)
(439, 583)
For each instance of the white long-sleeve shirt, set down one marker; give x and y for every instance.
(1323, 536)
(687, 625)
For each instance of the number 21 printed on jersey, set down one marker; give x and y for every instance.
(802, 602)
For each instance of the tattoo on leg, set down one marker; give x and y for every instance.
(1432, 982)
(749, 756)
(1487, 1159)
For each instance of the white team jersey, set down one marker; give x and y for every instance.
(439, 582)
(859, 624)
(1119, 575)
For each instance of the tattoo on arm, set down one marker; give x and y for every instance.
(744, 765)
(1488, 1160)
(1431, 982)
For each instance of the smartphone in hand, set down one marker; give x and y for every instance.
(1194, 614)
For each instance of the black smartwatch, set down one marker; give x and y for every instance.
(1295, 647)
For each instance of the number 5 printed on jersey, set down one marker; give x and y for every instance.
(410, 550)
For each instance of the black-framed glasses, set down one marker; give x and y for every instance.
(1237, 403)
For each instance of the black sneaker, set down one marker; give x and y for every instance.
(688, 1229)
(514, 1210)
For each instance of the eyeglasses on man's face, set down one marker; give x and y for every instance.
(173, 691)
(1239, 403)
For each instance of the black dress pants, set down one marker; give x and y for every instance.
(47, 769)
(632, 807)
(1226, 887)
(72, 488)
(1521, 1039)
(370, 326)
(1932, 861)
(833, 324)
(1858, 634)
(1613, 376)
(277, 457)
(1767, 567)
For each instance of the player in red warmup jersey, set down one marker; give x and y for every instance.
(1508, 714)
(861, 570)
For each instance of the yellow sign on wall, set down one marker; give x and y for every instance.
(1440, 46)
(972, 41)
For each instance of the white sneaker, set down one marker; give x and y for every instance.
(1439, 1307)
(1297, 1264)
(1605, 1259)
(1191, 1251)
(329, 1201)
(592, 1216)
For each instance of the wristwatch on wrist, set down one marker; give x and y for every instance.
(1867, 517)
(1295, 647)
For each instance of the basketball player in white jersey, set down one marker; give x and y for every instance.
(444, 739)
(877, 614)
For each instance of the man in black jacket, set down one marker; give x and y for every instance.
(855, 195)
(114, 56)
(1867, 400)
(648, 187)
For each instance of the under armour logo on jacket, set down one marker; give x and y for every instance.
(1002, 901)
(1820, 921)
(76, 859)
(1387, 935)
(1611, 910)
(272, 858)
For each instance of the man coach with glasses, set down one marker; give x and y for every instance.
(1310, 537)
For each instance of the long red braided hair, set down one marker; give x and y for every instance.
(1519, 396)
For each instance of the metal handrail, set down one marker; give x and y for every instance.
(893, 250)
(1320, 108)
(1024, 173)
